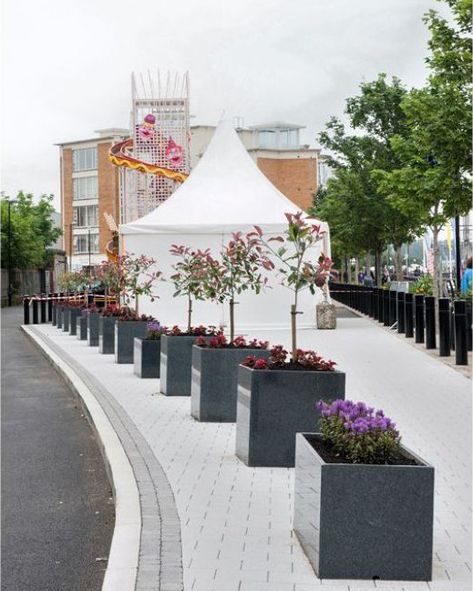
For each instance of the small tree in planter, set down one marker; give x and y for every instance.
(239, 270)
(297, 271)
(136, 276)
(190, 276)
(109, 276)
(370, 491)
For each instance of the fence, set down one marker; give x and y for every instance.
(38, 308)
(449, 329)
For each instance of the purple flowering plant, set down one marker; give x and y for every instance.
(154, 330)
(358, 433)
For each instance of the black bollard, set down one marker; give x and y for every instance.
(42, 305)
(444, 327)
(430, 337)
(419, 318)
(386, 307)
(35, 310)
(26, 310)
(392, 308)
(468, 325)
(461, 349)
(375, 303)
(380, 305)
(409, 314)
(50, 307)
(400, 312)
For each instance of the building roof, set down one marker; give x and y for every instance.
(276, 125)
(104, 134)
(226, 191)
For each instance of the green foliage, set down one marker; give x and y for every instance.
(32, 230)
(423, 286)
(72, 281)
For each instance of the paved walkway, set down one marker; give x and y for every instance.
(57, 511)
(236, 521)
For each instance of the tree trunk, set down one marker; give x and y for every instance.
(357, 269)
(378, 254)
(398, 261)
(349, 278)
(437, 281)
(294, 331)
(368, 264)
(189, 313)
(136, 304)
(232, 320)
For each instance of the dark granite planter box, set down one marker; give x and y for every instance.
(54, 315)
(93, 329)
(82, 328)
(175, 372)
(361, 521)
(274, 405)
(125, 332)
(146, 357)
(107, 334)
(66, 315)
(59, 316)
(74, 315)
(215, 382)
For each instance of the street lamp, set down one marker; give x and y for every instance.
(10, 290)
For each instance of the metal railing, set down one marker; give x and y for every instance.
(445, 325)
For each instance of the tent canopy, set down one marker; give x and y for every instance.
(226, 191)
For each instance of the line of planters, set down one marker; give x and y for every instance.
(363, 502)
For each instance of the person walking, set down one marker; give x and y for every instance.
(466, 279)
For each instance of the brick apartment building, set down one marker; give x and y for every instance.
(90, 183)
(89, 188)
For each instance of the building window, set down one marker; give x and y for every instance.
(81, 243)
(84, 159)
(85, 187)
(86, 216)
(267, 139)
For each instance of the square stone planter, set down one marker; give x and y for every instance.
(82, 328)
(363, 521)
(107, 334)
(125, 332)
(54, 315)
(274, 405)
(74, 315)
(146, 357)
(66, 316)
(215, 382)
(93, 329)
(176, 365)
(59, 316)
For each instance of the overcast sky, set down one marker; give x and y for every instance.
(66, 65)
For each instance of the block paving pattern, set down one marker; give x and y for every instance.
(236, 522)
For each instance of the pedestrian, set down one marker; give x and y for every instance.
(466, 279)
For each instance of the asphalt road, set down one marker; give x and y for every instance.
(57, 512)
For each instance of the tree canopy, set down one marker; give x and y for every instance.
(32, 230)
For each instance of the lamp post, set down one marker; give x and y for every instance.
(10, 202)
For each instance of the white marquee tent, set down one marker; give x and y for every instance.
(225, 193)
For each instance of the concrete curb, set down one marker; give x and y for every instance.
(122, 567)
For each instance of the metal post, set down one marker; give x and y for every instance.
(461, 350)
(43, 308)
(375, 303)
(9, 256)
(400, 312)
(457, 252)
(468, 325)
(419, 318)
(444, 327)
(35, 310)
(409, 314)
(430, 337)
(26, 310)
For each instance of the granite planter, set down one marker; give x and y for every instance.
(175, 373)
(364, 521)
(107, 334)
(59, 315)
(125, 332)
(82, 328)
(215, 382)
(146, 357)
(54, 316)
(74, 315)
(93, 329)
(274, 405)
(66, 315)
